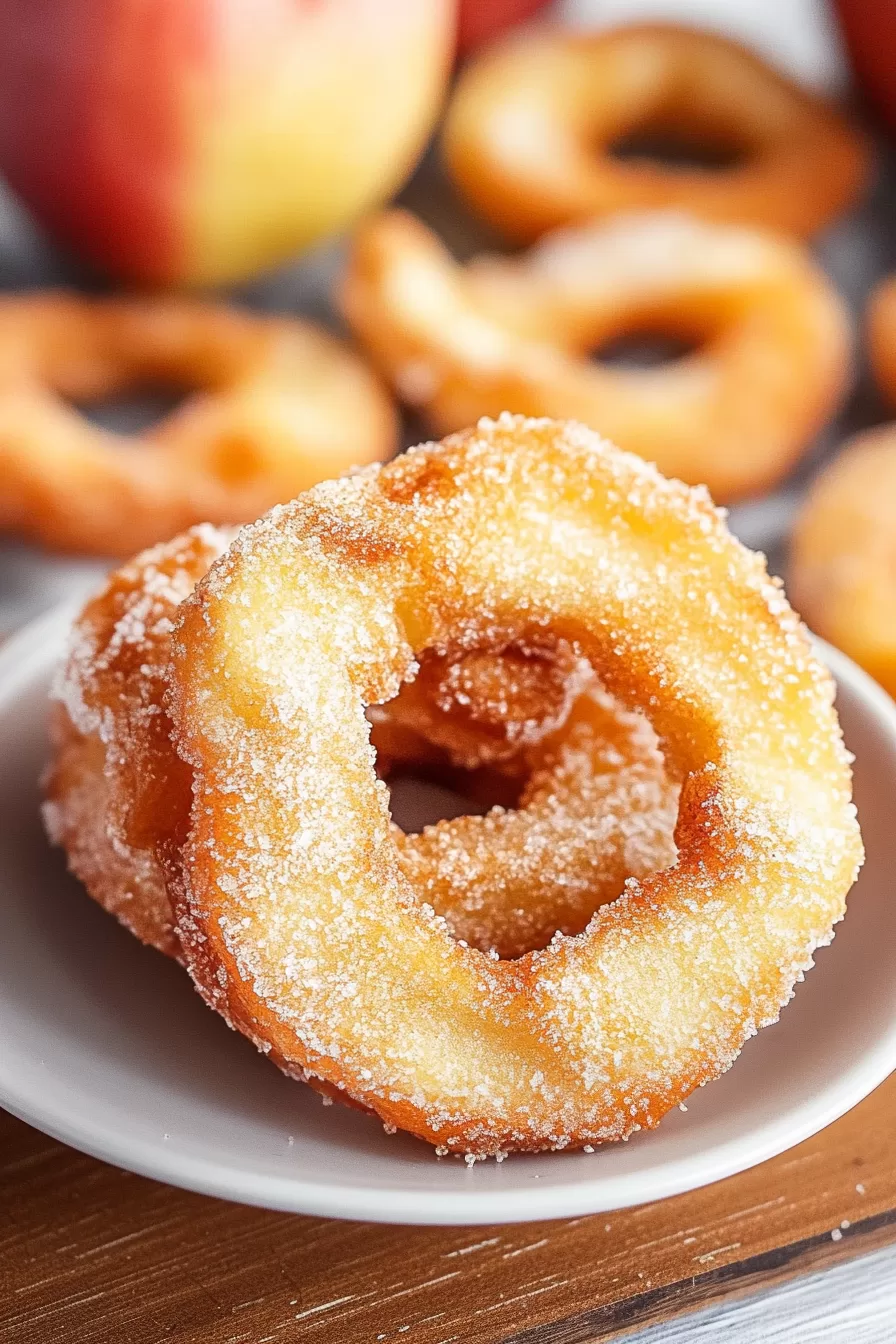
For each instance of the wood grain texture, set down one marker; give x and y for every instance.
(91, 1253)
(853, 1303)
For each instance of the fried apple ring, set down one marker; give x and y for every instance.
(597, 806)
(296, 919)
(281, 405)
(531, 128)
(773, 338)
(881, 329)
(115, 786)
(843, 553)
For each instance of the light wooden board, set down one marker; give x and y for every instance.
(853, 1303)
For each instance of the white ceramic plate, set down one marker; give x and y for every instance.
(104, 1044)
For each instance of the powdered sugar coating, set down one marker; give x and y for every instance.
(597, 806)
(111, 784)
(296, 919)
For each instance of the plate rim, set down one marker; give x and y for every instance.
(467, 1207)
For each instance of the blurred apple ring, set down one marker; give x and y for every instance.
(771, 337)
(843, 553)
(881, 330)
(530, 130)
(280, 404)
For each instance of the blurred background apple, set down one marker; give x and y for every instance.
(479, 21)
(200, 141)
(869, 30)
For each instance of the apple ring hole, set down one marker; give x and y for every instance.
(453, 742)
(424, 795)
(645, 350)
(584, 797)
(130, 412)
(677, 148)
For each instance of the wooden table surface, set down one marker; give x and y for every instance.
(97, 1255)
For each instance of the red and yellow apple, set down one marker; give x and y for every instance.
(200, 141)
(869, 30)
(481, 21)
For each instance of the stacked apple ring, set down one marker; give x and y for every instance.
(297, 910)
(116, 784)
(771, 337)
(280, 405)
(595, 806)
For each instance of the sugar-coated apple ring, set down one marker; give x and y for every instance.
(843, 553)
(597, 805)
(531, 128)
(772, 337)
(280, 405)
(115, 786)
(296, 919)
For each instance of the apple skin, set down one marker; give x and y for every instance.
(480, 21)
(197, 142)
(869, 29)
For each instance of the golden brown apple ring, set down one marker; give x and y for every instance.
(881, 327)
(281, 406)
(843, 553)
(773, 338)
(530, 130)
(296, 919)
(597, 806)
(115, 785)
